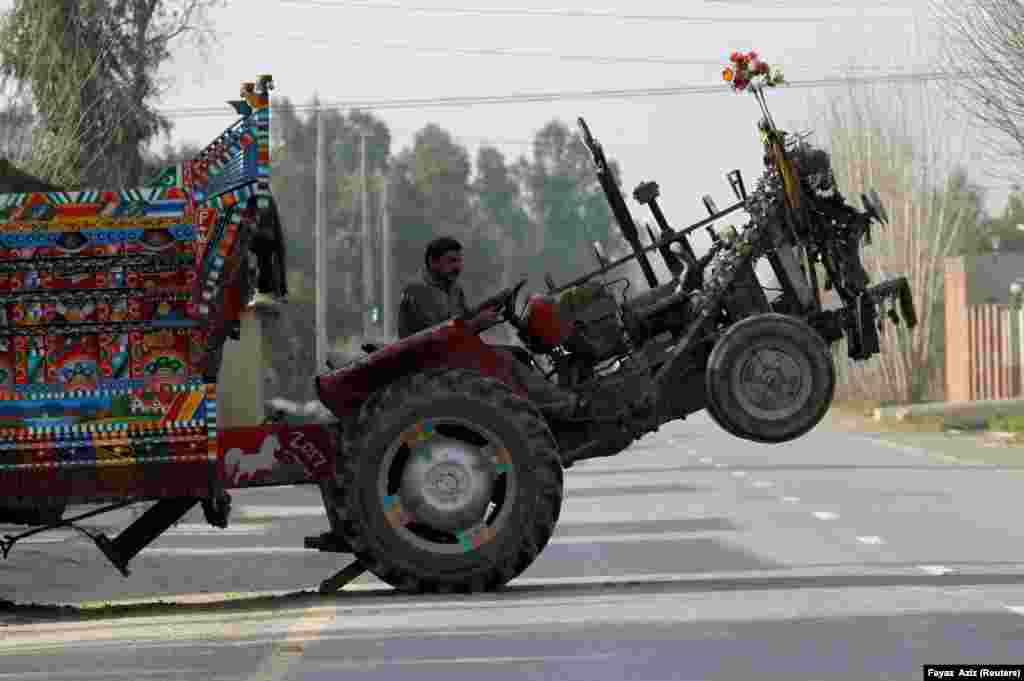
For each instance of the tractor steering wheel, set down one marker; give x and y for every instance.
(511, 315)
(504, 300)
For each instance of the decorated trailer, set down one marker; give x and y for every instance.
(437, 471)
(115, 308)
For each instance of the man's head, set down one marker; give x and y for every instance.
(444, 258)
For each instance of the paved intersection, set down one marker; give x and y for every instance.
(692, 556)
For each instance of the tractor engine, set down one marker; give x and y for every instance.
(593, 317)
(584, 320)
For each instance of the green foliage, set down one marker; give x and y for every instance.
(1007, 424)
(567, 205)
(521, 219)
(92, 69)
(1003, 227)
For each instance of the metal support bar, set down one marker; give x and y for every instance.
(146, 528)
(329, 542)
(342, 578)
(678, 236)
(9, 541)
(661, 379)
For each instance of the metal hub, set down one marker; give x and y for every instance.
(772, 383)
(447, 483)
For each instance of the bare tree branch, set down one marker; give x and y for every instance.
(983, 41)
(888, 137)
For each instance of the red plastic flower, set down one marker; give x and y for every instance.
(746, 70)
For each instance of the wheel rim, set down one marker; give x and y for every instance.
(447, 485)
(772, 382)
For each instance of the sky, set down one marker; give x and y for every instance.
(387, 50)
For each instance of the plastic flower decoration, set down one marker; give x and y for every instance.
(747, 71)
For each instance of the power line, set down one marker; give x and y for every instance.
(520, 52)
(846, 4)
(544, 97)
(553, 12)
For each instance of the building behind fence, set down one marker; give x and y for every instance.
(983, 340)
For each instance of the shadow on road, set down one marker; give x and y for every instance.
(14, 613)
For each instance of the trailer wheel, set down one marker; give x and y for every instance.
(448, 482)
(770, 378)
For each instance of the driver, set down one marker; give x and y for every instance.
(439, 297)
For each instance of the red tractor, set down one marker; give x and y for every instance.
(436, 471)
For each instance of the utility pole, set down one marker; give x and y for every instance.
(320, 245)
(367, 249)
(385, 259)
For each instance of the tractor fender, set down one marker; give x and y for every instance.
(448, 345)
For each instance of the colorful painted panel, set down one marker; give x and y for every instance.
(276, 455)
(105, 441)
(111, 305)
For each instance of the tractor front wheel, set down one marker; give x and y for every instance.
(448, 482)
(770, 378)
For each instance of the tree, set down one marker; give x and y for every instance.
(500, 218)
(154, 162)
(16, 124)
(983, 47)
(1005, 230)
(567, 206)
(886, 137)
(430, 186)
(293, 182)
(90, 69)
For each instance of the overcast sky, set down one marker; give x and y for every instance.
(359, 50)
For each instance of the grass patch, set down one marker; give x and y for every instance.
(1007, 424)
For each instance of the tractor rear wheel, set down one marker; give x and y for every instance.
(448, 482)
(770, 378)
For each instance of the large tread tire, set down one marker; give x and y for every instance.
(791, 336)
(435, 394)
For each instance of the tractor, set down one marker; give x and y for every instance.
(436, 471)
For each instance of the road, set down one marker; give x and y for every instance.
(692, 556)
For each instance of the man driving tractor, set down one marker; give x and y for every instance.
(440, 296)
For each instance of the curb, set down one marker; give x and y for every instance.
(974, 414)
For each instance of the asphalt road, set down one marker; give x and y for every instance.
(692, 556)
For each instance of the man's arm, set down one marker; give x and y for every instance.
(410, 317)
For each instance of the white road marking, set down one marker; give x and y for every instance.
(791, 500)
(199, 528)
(45, 539)
(825, 515)
(706, 459)
(936, 569)
(1017, 609)
(278, 512)
(720, 465)
(761, 484)
(874, 540)
(585, 467)
(906, 449)
(739, 474)
(416, 661)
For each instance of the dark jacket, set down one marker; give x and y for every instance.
(427, 303)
